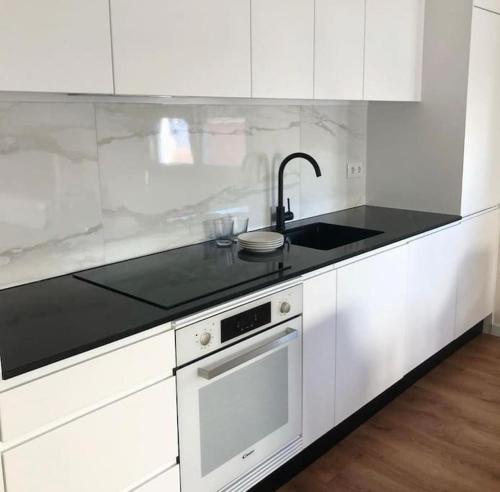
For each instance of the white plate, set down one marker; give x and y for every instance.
(261, 250)
(261, 237)
(259, 245)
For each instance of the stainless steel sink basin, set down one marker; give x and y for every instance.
(327, 236)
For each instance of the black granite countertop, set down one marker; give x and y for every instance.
(47, 321)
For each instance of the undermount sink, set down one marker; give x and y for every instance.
(327, 236)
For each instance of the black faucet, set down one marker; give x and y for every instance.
(281, 214)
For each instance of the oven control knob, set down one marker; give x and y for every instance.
(205, 338)
(285, 307)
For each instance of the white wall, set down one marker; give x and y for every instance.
(415, 150)
(90, 182)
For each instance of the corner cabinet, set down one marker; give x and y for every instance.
(393, 50)
(477, 269)
(371, 321)
(55, 46)
(181, 48)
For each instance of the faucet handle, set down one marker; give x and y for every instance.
(288, 214)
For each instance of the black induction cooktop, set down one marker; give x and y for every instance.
(167, 279)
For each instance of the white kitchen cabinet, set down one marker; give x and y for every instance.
(393, 50)
(318, 339)
(371, 321)
(282, 48)
(45, 400)
(109, 449)
(481, 172)
(477, 269)
(166, 482)
(181, 48)
(432, 292)
(339, 49)
(55, 46)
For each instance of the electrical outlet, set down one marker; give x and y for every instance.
(355, 170)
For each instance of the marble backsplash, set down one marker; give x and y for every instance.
(88, 183)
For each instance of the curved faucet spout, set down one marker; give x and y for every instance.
(281, 215)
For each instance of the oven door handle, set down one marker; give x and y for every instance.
(216, 370)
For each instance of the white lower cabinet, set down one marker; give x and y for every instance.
(477, 269)
(318, 321)
(166, 482)
(106, 450)
(371, 320)
(432, 292)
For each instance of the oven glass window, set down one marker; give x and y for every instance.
(242, 408)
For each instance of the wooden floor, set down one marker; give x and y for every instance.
(442, 434)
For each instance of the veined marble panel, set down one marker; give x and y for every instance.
(88, 183)
(50, 217)
(334, 135)
(167, 171)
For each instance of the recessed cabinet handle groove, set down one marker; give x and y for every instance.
(218, 369)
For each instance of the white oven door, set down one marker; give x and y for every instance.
(239, 406)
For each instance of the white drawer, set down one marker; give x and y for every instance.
(104, 451)
(35, 404)
(166, 482)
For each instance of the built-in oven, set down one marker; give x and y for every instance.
(239, 383)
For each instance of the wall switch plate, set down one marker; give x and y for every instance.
(355, 170)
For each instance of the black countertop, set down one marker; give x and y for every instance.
(47, 321)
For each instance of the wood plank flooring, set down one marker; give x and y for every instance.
(442, 434)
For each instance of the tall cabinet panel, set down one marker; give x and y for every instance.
(478, 268)
(282, 48)
(182, 48)
(481, 173)
(371, 320)
(394, 44)
(339, 49)
(55, 46)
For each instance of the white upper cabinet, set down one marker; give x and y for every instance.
(481, 172)
(371, 321)
(478, 269)
(432, 294)
(182, 48)
(339, 49)
(393, 50)
(282, 48)
(493, 5)
(55, 46)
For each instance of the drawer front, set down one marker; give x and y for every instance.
(166, 482)
(106, 450)
(35, 404)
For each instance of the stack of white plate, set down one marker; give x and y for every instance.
(261, 241)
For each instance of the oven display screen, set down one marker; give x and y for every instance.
(244, 322)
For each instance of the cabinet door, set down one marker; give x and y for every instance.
(477, 277)
(339, 49)
(393, 50)
(109, 449)
(182, 48)
(55, 46)
(318, 319)
(481, 174)
(165, 482)
(282, 48)
(432, 293)
(371, 319)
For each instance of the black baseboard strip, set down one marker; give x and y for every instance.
(307, 456)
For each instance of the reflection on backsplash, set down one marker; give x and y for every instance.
(84, 184)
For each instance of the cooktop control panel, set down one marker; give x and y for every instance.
(205, 336)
